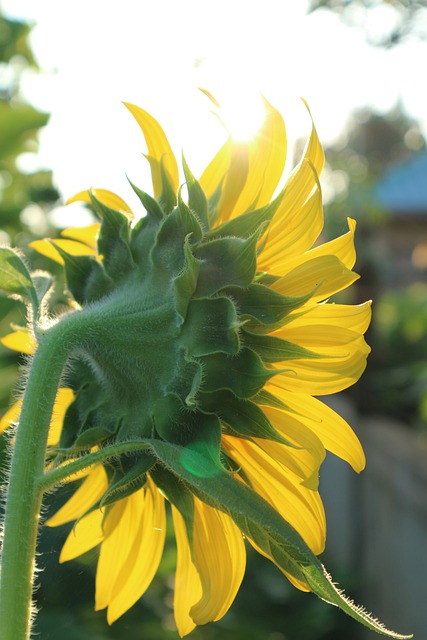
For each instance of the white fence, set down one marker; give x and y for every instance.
(377, 522)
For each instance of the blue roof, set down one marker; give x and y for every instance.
(403, 188)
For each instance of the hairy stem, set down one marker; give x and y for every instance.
(24, 494)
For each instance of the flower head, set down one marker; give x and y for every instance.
(210, 334)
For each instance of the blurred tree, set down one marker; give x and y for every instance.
(384, 23)
(19, 126)
(369, 144)
(20, 191)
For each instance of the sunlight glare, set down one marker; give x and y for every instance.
(242, 114)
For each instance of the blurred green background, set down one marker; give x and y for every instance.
(376, 172)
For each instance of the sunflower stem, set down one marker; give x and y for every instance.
(24, 494)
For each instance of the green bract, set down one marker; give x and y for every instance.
(167, 355)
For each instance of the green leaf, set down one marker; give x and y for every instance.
(15, 278)
(42, 281)
(196, 197)
(260, 522)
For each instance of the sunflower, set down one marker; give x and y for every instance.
(209, 332)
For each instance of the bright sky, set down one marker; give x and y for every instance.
(97, 53)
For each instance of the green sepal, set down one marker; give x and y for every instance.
(247, 224)
(86, 277)
(178, 495)
(167, 198)
(211, 327)
(243, 417)
(195, 431)
(113, 241)
(91, 437)
(272, 349)
(187, 380)
(243, 374)
(270, 532)
(129, 482)
(264, 304)
(151, 205)
(168, 250)
(15, 278)
(170, 419)
(268, 399)
(201, 455)
(142, 238)
(225, 262)
(185, 282)
(196, 197)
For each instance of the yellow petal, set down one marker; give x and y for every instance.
(220, 558)
(20, 340)
(214, 173)
(299, 229)
(148, 535)
(267, 157)
(322, 276)
(64, 398)
(47, 248)
(159, 149)
(309, 452)
(330, 374)
(11, 416)
(348, 316)
(90, 491)
(188, 588)
(234, 181)
(106, 197)
(88, 235)
(342, 247)
(314, 151)
(297, 504)
(300, 184)
(335, 433)
(120, 529)
(86, 534)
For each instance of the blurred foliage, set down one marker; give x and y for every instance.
(384, 23)
(396, 380)
(19, 127)
(21, 191)
(370, 143)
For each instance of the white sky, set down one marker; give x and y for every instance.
(97, 53)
